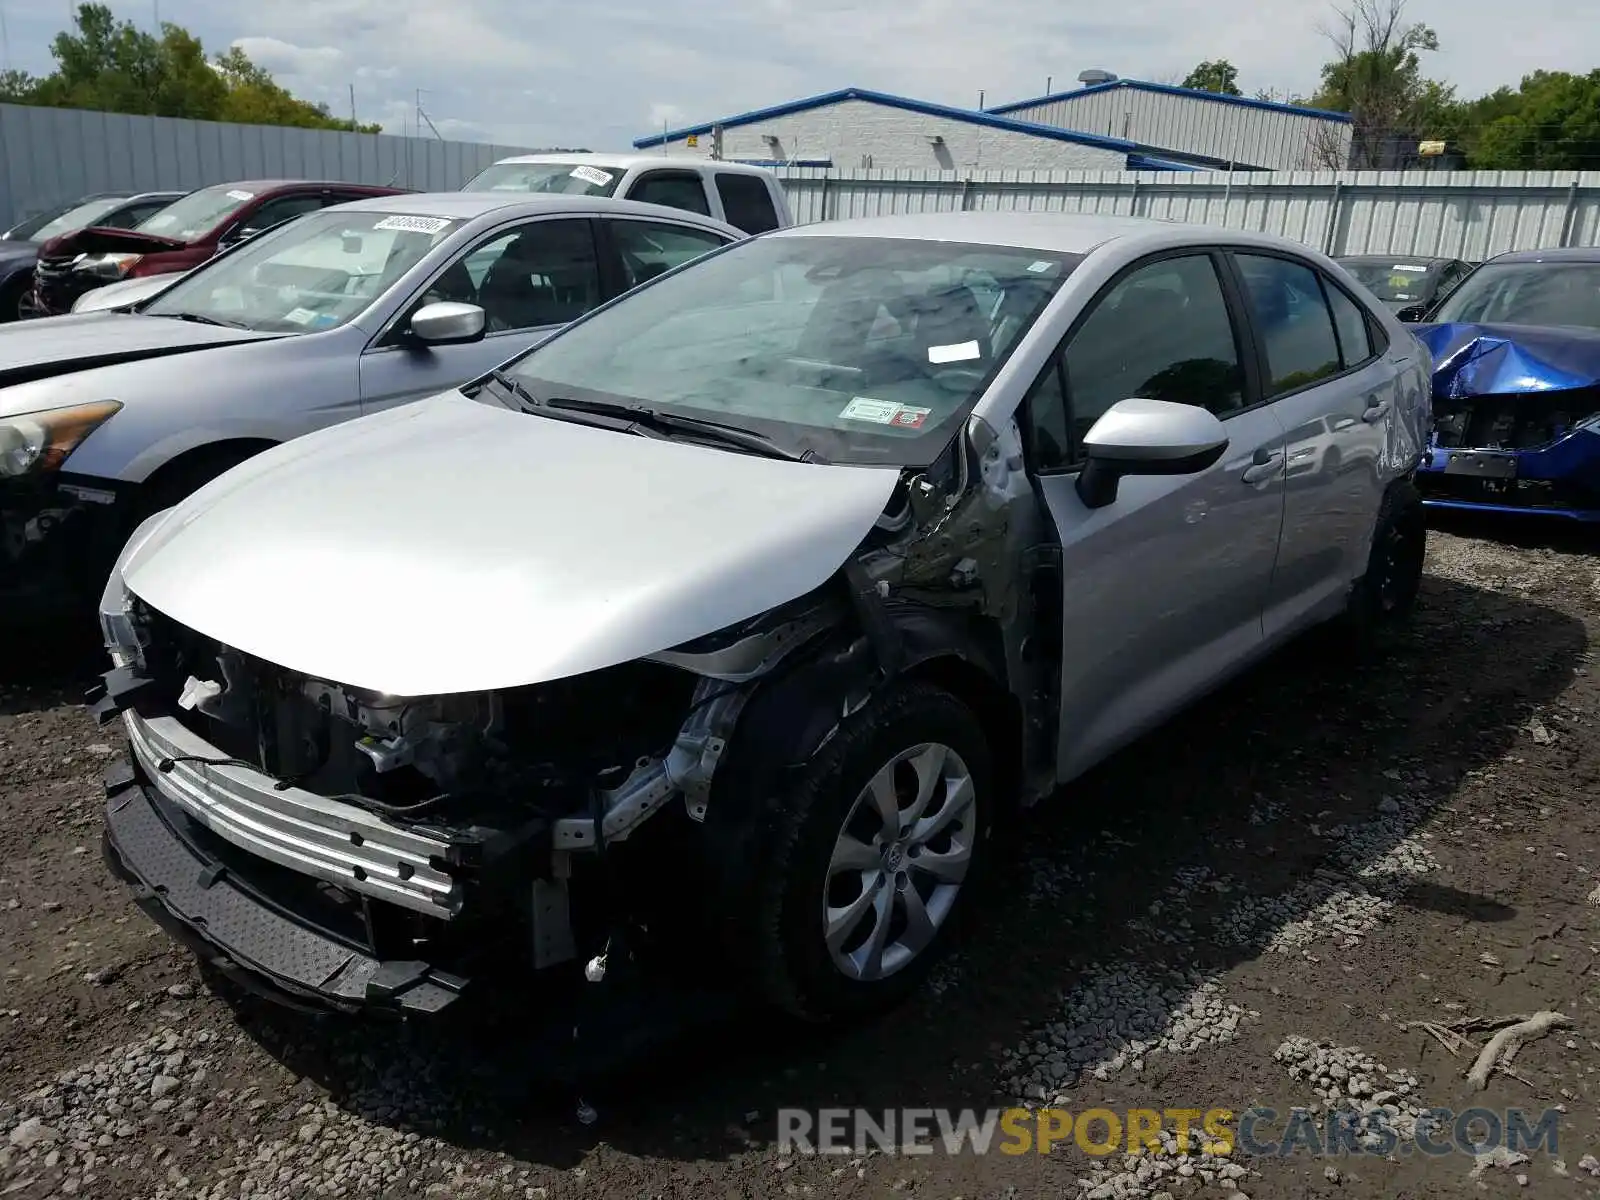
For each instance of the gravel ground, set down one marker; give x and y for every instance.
(1258, 905)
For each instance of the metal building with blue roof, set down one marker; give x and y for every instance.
(1103, 126)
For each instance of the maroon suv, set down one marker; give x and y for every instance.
(183, 235)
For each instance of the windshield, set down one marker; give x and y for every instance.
(197, 213)
(567, 179)
(79, 216)
(864, 350)
(1395, 282)
(1527, 294)
(313, 273)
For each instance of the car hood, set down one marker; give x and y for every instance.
(124, 292)
(18, 252)
(1488, 360)
(105, 240)
(31, 350)
(455, 546)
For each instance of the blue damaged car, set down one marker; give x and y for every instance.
(1516, 387)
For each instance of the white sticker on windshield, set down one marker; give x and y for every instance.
(960, 352)
(1408, 267)
(1041, 265)
(592, 175)
(413, 224)
(238, 195)
(879, 412)
(299, 316)
(885, 412)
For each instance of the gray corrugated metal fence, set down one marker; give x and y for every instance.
(54, 155)
(1465, 214)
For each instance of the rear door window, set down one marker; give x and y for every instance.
(1350, 321)
(1292, 321)
(746, 202)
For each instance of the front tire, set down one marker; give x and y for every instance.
(14, 298)
(866, 857)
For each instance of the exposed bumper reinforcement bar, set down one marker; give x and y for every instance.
(326, 839)
(224, 921)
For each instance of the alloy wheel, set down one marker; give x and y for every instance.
(899, 861)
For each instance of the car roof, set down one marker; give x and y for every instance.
(468, 206)
(258, 186)
(1064, 233)
(624, 162)
(1427, 260)
(1572, 254)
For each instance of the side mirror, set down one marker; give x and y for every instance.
(1412, 313)
(448, 323)
(1147, 437)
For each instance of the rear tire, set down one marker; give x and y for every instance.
(864, 859)
(1386, 594)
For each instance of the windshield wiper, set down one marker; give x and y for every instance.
(640, 414)
(201, 319)
(515, 387)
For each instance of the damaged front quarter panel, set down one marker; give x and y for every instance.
(525, 784)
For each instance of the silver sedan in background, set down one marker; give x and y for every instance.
(743, 608)
(106, 417)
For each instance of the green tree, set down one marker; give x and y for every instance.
(17, 87)
(113, 66)
(1376, 77)
(1552, 122)
(1220, 76)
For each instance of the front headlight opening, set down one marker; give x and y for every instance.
(111, 266)
(22, 444)
(41, 441)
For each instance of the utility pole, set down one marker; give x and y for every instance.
(5, 42)
(352, 108)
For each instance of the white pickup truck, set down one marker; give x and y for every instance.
(746, 197)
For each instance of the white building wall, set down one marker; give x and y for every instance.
(857, 133)
(1264, 137)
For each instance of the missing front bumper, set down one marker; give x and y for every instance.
(58, 539)
(229, 923)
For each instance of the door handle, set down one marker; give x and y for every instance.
(1376, 410)
(1264, 464)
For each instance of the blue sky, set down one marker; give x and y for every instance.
(602, 72)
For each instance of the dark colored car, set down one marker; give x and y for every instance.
(19, 246)
(182, 235)
(1402, 283)
(1516, 387)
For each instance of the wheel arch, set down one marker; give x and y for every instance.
(196, 461)
(792, 716)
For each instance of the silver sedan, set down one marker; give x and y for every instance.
(745, 607)
(106, 417)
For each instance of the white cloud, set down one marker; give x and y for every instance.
(604, 72)
(664, 116)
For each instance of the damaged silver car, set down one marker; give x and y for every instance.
(739, 613)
